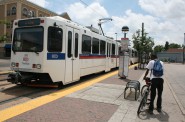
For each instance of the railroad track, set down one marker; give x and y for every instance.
(12, 92)
(19, 92)
(3, 82)
(3, 77)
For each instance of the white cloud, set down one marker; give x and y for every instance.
(87, 15)
(171, 16)
(42, 3)
(158, 28)
(160, 31)
(164, 21)
(164, 8)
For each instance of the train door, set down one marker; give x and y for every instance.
(72, 55)
(108, 57)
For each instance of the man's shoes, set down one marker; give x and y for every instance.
(150, 111)
(159, 110)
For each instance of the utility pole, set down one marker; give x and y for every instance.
(142, 30)
(141, 49)
(183, 50)
(116, 36)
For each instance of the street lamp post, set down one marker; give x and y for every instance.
(116, 36)
(125, 29)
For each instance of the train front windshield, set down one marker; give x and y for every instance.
(28, 39)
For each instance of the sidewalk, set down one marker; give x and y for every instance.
(102, 102)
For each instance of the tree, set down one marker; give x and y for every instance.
(142, 44)
(173, 45)
(4, 37)
(166, 47)
(159, 48)
(4, 22)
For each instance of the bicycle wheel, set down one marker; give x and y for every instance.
(142, 104)
(143, 89)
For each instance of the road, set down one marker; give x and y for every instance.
(174, 73)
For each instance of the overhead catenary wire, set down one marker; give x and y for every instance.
(91, 8)
(95, 11)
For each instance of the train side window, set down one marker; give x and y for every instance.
(95, 46)
(136, 54)
(69, 44)
(86, 44)
(76, 45)
(113, 49)
(119, 50)
(133, 52)
(55, 36)
(102, 47)
(108, 49)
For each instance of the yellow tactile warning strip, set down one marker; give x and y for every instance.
(5, 72)
(21, 108)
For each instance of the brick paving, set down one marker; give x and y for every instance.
(132, 75)
(69, 110)
(103, 102)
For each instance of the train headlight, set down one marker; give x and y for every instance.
(13, 64)
(17, 64)
(38, 66)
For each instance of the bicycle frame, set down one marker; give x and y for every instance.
(144, 95)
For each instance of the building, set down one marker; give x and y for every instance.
(19, 9)
(172, 55)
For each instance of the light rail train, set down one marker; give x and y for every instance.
(133, 54)
(56, 50)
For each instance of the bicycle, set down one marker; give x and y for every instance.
(148, 84)
(145, 91)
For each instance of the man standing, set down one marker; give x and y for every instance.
(157, 82)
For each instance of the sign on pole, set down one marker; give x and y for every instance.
(124, 58)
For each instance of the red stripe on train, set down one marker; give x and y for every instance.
(92, 57)
(96, 57)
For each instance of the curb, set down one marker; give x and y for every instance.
(176, 98)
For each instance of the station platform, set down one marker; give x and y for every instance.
(97, 100)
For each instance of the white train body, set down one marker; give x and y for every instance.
(133, 54)
(58, 50)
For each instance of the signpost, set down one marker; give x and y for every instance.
(124, 59)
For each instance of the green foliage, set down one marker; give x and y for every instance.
(4, 22)
(174, 45)
(3, 38)
(142, 44)
(159, 48)
(166, 47)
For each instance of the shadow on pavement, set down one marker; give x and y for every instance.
(163, 116)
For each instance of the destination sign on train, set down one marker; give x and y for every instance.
(29, 22)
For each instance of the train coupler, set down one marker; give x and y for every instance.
(14, 77)
(17, 77)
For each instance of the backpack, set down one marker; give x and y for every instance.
(157, 69)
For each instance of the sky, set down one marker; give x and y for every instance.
(164, 20)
